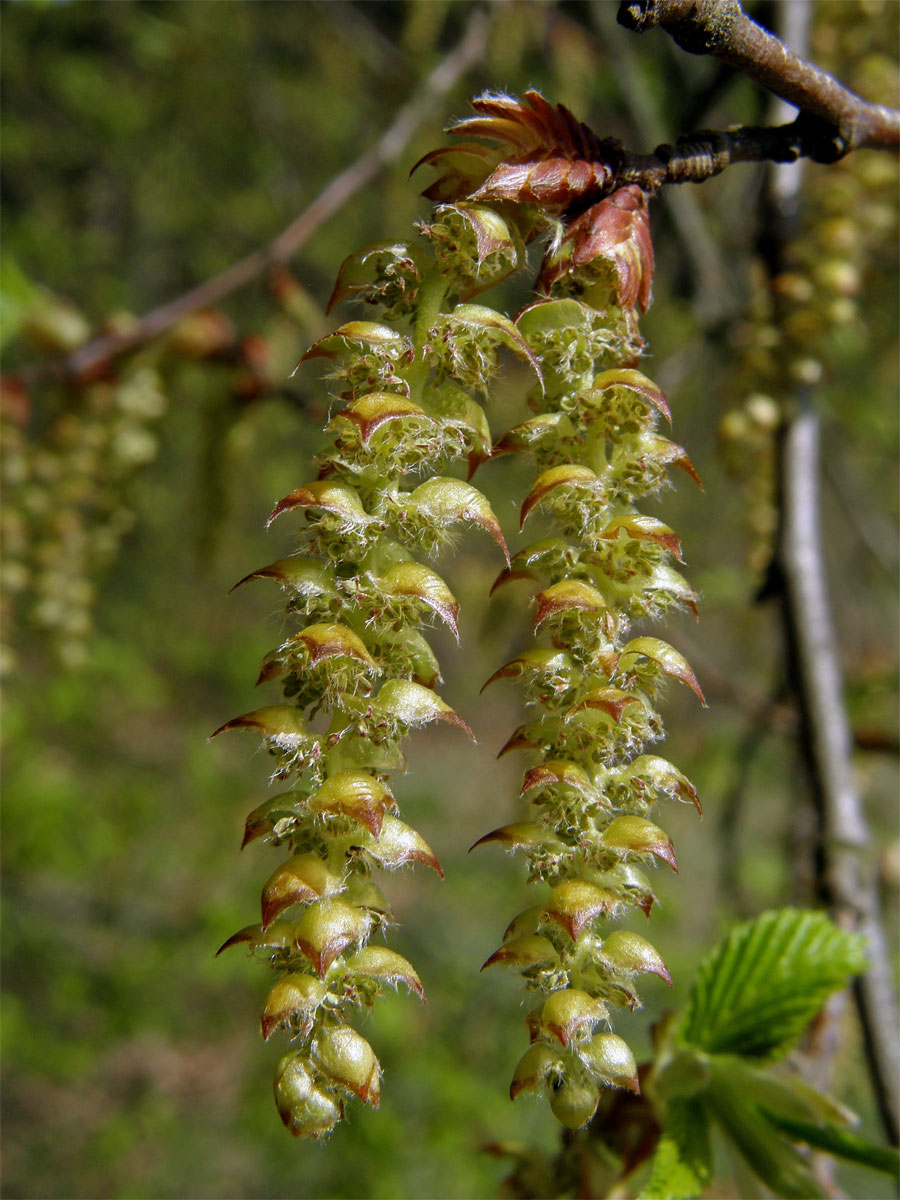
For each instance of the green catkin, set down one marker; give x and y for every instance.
(592, 687)
(357, 673)
(411, 391)
(68, 499)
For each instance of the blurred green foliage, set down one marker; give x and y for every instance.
(146, 146)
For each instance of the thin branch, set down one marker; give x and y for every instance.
(714, 295)
(848, 873)
(698, 156)
(721, 28)
(88, 358)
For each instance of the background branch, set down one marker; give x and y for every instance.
(698, 156)
(721, 28)
(91, 356)
(847, 872)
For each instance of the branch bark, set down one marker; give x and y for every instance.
(847, 870)
(90, 357)
(721, 28)
(698, 156)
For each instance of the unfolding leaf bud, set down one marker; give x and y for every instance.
(606, 253)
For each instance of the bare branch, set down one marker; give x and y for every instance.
(88, 358)
(714, 295)
(848, 874)
(721, 28)
(698, 156)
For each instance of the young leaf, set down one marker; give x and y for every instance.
(682, 1164)
(759, 988)
(777, 1163)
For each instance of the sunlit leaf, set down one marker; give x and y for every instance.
(758, 989)
(682, 1164)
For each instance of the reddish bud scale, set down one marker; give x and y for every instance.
(589, 787)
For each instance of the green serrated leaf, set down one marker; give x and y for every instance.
(759, 988)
